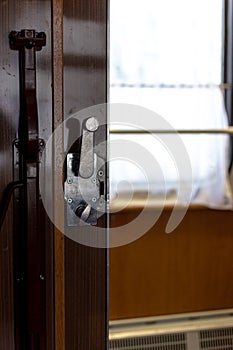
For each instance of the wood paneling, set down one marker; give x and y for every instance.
(85, 84)
(58, 117)
(85, 52)
(190, 269)
(8, 113)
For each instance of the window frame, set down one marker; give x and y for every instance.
(228, 56)
(228, 66)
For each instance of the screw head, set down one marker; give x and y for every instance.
(19, 279)
(69, 200)
(69, 181)
(92, 124)
(41, 143)
(94, 199)
(17, 144)
(100, 173)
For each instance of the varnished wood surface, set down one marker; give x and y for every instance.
(85, 52)
(17, 15)
(58, 117)
(7, 127)
(188, 270)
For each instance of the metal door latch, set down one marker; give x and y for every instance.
(84, 185)
(29, 215)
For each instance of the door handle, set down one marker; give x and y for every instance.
(84, 185)
(5, 201)
(26, 42)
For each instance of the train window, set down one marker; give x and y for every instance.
(167, 56)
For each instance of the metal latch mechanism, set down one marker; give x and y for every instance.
(29, 263)
(84, 185)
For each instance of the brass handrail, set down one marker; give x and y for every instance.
(228, 131)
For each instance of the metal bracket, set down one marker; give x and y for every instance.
(27, 38)
(84, 185)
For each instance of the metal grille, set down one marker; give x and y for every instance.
(176, 341)
(196, 331)
(217, 339)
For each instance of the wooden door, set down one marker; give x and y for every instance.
(71, 75)
(85, 85)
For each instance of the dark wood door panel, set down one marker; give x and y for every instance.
(85, 72)
(85, 84)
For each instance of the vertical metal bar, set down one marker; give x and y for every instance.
(227, 56)
(228, 63)
(4, 203)
(58, 112)
(30, 235)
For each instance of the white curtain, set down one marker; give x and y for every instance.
(166, 56)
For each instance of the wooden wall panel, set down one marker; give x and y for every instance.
(85, 84)
(58, 117)
(188, 270)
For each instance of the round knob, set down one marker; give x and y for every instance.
(92, 124)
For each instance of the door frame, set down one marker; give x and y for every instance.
(81, 313)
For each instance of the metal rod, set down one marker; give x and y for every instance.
(31, 318)
(227, 131)
(4, 204)
(223, 86)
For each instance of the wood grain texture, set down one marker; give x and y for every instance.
(85, 84)
(7, 130)
(188, 270)
(58, 116)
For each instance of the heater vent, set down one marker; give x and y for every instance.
(160, 342)
(196, 331)
(217, 339)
